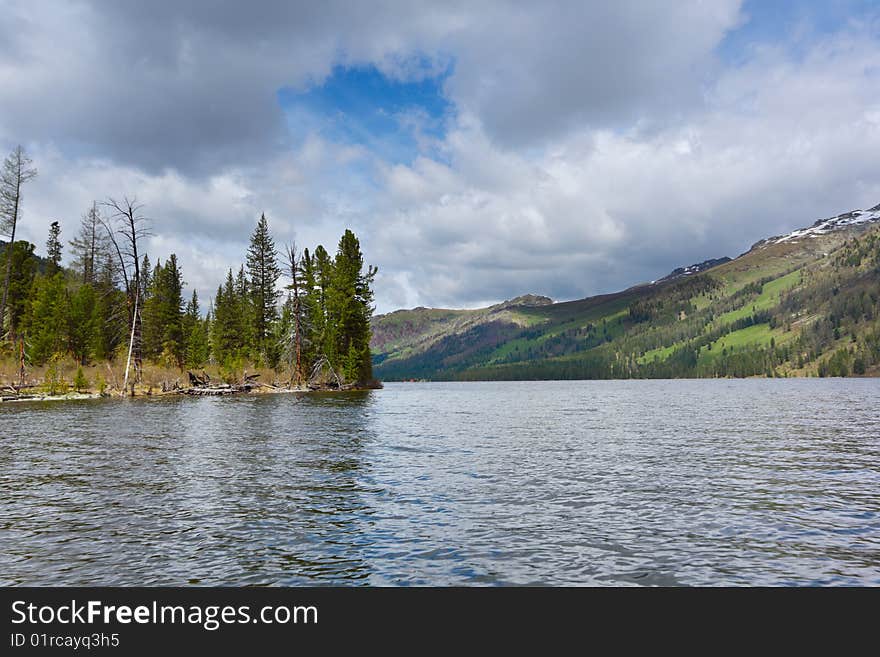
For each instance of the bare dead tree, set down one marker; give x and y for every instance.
(88, 244)
(17, 170)
(292, 260)
(126, 227)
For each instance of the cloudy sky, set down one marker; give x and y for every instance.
(481, 150)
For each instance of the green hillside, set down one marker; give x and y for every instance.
(805, 304)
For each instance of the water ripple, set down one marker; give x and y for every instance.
(592, 483)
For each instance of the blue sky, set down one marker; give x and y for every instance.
(361, 105)
(397, 118)
(792, 23)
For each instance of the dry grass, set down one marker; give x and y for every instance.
(154, 378)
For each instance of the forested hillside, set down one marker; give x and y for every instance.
(804, 304)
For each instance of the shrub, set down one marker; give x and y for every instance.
(80, 382)
(54, 382)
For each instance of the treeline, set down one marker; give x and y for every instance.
(298, 313)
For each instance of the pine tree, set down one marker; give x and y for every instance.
(242, 301)
(294, 332)
(324, 318)
(227, 340)
(174, 341)
(53, 249)
(163, 332)
(80, 382)
(23, 269)
(313, 318)
(108, 323)
(80, 323)
(349, 304)
(196, 332)
(151, 315)
(47, 319)
(263, 272)
(147, 275)
(284, 336)
(110, 312)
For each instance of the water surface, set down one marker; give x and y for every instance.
(558, 483)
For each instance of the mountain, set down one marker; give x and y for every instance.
(700, 267)
(802, 304)
(853, 219)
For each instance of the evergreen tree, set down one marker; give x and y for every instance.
(324, 318)
(53, 249)
(242, 301)
(108, 323)
(80, 382)
(80, 323)
(197, 334)
(47, 319)
(109, 313)
(284, 336)
(295, 324)
(163, 326)
(146, 276)
(227, 340)
(263, 272)
(23, 269)
(350, 305)
(313, 319)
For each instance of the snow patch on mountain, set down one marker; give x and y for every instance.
(825, 226)
(690, 270)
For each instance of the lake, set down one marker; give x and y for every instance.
(735, 482)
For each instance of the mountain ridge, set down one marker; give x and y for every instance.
(533, 337)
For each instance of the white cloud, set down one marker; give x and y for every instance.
(592, 145)
(780, 142)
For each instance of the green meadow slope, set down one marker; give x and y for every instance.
(804, 304)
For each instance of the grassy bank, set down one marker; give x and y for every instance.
(65, 377)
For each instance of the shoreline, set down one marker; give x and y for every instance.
(217, 391)
(226, 390)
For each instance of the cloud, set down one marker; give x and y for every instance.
(192, 85)
(779, 142)
(558, 66)
(206, 221)
(588, 146)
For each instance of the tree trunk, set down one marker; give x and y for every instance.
(131, 345)
(9, 250)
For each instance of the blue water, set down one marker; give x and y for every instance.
(741, 482)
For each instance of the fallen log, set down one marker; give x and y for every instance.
(196, 380)
(224, 389)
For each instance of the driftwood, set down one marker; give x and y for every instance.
(171, 387)
(196, 380)
(324, 377)
(17, 394)
(18, 388)
(221, 389)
